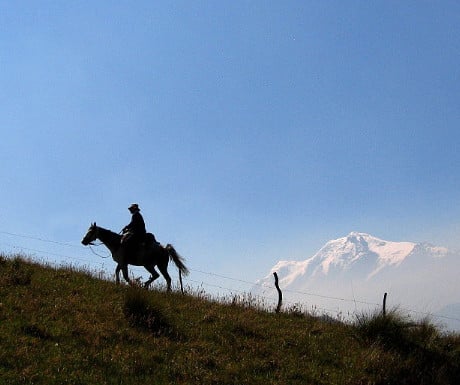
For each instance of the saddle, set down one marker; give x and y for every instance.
(148, 241)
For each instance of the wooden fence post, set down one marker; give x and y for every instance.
(384, 312)
(180, 280)
(280, 294)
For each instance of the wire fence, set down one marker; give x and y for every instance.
(90, 263)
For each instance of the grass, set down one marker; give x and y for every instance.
(64, 326)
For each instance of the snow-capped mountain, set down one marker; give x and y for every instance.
(357, 253)
(359, 268)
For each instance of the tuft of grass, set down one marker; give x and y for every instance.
(37, 331)
(17, 272)
(416, 350)
(142, 312)
(390, 330)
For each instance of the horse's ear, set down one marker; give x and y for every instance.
(93, 224)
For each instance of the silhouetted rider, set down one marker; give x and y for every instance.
(134, 232)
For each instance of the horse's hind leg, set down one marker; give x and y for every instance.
(164, 270)
(153, 277)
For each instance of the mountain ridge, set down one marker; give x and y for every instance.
(346, 251)
(359, 265)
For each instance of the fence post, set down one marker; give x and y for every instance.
(280, 294)
(384, 312)
(180, 280)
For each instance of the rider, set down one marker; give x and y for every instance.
(134, 232)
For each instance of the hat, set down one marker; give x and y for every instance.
(134, 206)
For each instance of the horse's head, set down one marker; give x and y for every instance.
(91, 235)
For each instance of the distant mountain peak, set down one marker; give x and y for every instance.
(357, 253)
(354, 270)
(357, 234)
(361, 247)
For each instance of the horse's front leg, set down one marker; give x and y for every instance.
(124, 270)
(117, 274)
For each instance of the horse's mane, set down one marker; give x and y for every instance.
(109, 232)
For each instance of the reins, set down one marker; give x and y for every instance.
(99, 255)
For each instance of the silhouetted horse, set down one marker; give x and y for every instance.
(148, 256)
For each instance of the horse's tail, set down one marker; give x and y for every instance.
(177, 259)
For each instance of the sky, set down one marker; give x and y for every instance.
(248, 131)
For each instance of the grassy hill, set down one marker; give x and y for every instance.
(64, 326)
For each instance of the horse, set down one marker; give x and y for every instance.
(147, 256)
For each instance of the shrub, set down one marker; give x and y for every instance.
(142, 313)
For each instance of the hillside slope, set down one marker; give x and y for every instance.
(61, 326)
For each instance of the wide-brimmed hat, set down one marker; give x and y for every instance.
(134, 206)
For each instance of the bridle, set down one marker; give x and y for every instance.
(96, 245)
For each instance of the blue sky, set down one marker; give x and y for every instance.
(248, 131)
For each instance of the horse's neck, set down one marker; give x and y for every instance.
(109, 238)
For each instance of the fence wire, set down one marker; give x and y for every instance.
(232, 291)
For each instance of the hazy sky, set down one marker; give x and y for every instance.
(248, 131)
